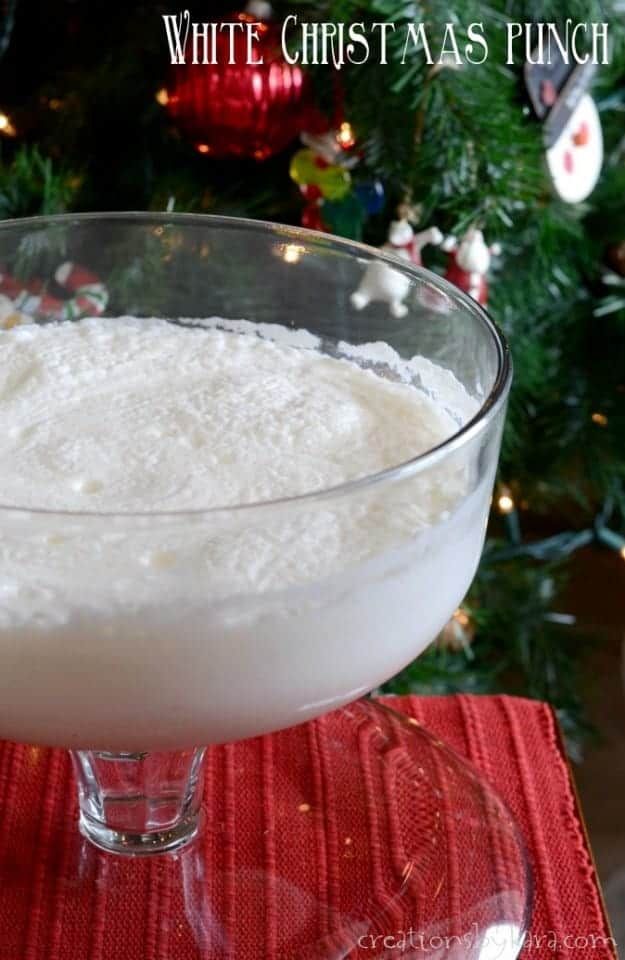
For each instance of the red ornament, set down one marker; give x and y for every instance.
(240, 109)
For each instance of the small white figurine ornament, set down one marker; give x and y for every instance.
(380, 281)
(469, 263)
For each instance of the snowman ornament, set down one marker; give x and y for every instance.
(469, 263)
(571, 126)
(381, 282)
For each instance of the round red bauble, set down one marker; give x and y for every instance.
(239, 109)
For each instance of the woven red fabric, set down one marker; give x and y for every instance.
(62, 900)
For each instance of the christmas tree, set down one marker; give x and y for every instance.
(446, 128)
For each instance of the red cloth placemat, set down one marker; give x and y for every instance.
(55, 901)
(516, 743)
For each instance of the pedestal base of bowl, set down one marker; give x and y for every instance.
(356, 835)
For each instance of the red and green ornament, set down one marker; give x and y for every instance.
(333, 200)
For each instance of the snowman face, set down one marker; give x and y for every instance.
(575, 159)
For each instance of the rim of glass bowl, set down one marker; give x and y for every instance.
(408, 468)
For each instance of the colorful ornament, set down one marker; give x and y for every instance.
(469, 263)
(88, 296)
(240, 109)
(309, 169)
(572, 128)
(345, 217)
(322, 171)
(381, 281)
(371, 195)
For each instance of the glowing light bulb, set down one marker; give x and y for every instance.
(6, 127)
(293, 253)
(600, 419)
(622, 552)
(203, 148)
(162, 97)
(505, 503)
(345, 136)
